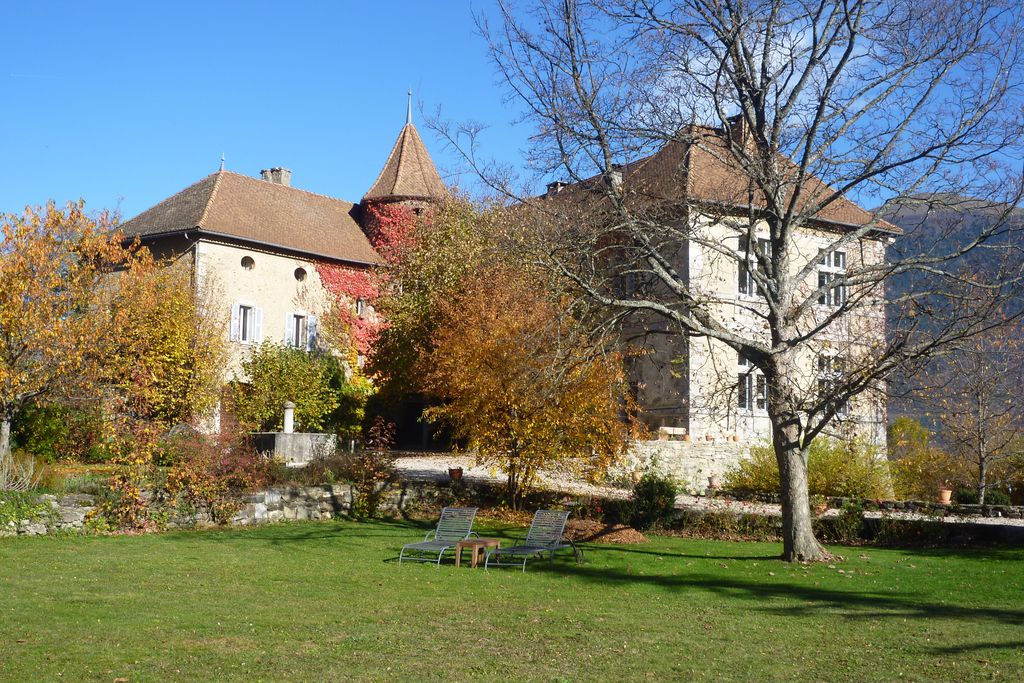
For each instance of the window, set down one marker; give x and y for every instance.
(830, 374)
(746, 284)
(832, 266)
(246, 324)
(360, 306)
(751, 388)
(300, 274)
(300, 330)
(248, 263)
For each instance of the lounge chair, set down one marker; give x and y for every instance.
(544, 536)
(456, 524)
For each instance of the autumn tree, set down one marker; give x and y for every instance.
(520, 384)
(804, 105)
(165, 361)
(54, 269)
(425, 272)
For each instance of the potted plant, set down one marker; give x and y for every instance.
(945, 493)
(819, 504)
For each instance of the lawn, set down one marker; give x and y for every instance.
(319, 601)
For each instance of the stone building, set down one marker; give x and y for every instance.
(699, 387)
(259, 241)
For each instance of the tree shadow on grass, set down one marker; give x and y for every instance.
(400, 530)
(805, 599)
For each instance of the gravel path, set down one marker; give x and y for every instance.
(435, 468)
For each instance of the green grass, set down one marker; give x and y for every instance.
(328, 601)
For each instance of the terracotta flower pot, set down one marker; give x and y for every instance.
(687, 437)
(945, 496)
(455, 473)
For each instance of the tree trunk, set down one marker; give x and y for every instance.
(798, 541)
(982, 479)
(5, 440)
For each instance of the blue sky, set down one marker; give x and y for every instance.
(124, 103)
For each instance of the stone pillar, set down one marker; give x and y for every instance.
(289, 417)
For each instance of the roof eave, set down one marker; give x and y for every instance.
(202, 232)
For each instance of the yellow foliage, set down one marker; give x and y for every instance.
(167, 354)
(834, 468)
(520, 386)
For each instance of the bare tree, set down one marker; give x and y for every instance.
(979, 406)
(791, 108)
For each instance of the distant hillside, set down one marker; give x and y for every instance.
(937, 225)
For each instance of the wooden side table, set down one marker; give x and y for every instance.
(477, 546)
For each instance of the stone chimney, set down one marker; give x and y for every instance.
(554, 188)
(277, 175)
(738, 129)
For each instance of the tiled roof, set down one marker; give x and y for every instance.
(409, 172)
(277, 216)
(703, 171)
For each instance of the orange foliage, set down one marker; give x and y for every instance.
(520, 385)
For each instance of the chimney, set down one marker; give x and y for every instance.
(738, 129)
(616, 176)
(554, 188)
(277, 175)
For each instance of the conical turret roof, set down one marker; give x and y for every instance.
(409, 172)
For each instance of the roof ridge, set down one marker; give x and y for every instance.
(387, 164)
(288, 187)
(209, 200)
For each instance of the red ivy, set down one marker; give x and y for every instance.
(391, 230)
(347, 286)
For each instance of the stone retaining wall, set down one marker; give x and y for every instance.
(68, 513)
(689, 463)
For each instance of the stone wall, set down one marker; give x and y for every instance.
(68, 513)
(64, 513)
(689, 463)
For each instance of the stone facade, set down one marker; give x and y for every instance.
(689, 463)
(275, 286)
(692, 384)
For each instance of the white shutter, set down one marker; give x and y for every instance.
(311, 331)
(257, 326)
(234, 323)
(289, 329)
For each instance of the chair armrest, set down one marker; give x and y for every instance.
(430, 533)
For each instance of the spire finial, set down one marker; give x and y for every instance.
(408, 115)
(222, 161)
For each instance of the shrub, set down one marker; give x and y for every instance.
(728, 526)
(918, 468)
(966, 496)
(654, 502)
(370, 469)
(213, 474)
(277, 374)
(55, 433)
(834, 468)
(846, 527)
